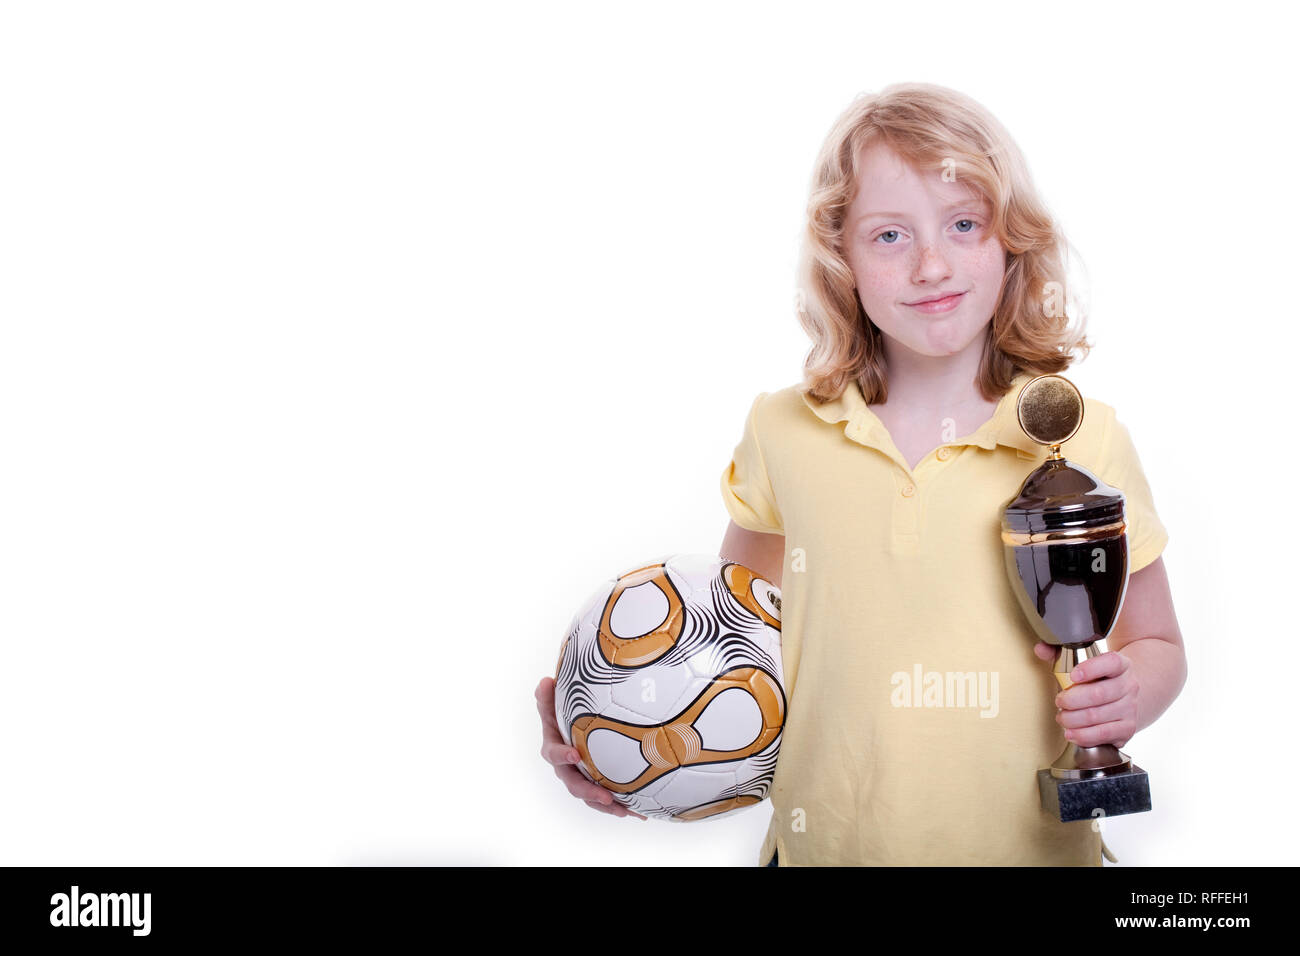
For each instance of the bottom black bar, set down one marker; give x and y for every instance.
(365, 905)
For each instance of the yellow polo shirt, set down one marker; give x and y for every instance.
(918, 714)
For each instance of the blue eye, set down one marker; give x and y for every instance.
(972, 224)
(888, 232)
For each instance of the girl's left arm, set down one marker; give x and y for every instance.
(1140, 686)
(1147, 634)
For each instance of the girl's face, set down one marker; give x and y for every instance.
(911, 237)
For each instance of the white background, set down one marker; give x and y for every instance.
(346, 346)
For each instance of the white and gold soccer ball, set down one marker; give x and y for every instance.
(670, 686)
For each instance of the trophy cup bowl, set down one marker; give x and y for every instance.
(1066, 548)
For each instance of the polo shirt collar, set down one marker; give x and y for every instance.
(865, 427)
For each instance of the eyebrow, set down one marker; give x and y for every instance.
(975, 203)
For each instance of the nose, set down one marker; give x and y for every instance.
(932, 264)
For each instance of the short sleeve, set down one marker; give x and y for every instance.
(1147, 536)
(746, 489)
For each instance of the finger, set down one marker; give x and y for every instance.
(1110, 664)
(594, 796)
(598, 806)
(579, 786)
(616, 810)
(1095, 693)
(1043, 651)
(546, 708)
(1117, 732)
(557, 753)
(545, 696)
(1093, 716)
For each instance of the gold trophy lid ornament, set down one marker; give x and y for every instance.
(1050, 410)
(1059, 498)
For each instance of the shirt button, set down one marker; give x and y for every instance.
(945, 454)
(909, 490)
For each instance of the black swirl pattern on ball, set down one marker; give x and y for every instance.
(717, 632)
(765, 760)
(583, 668)
(756, 787)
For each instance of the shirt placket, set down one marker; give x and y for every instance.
(907, 513)
(912, 488)
(907, 501)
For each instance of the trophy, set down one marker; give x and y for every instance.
(1066, 554)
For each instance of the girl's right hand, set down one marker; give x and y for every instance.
(562, 757)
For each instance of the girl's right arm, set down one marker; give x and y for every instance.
(763, 553)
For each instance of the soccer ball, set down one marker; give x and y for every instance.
(670, 686)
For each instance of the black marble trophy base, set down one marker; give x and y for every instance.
(1111, 796)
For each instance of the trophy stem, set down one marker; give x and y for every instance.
(1075, 762)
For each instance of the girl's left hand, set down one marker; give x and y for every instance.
(1101, 706)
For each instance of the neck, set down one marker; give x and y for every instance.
(934, 382)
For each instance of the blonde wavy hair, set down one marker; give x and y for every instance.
(933, 128)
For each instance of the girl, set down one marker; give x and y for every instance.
(920, 708)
